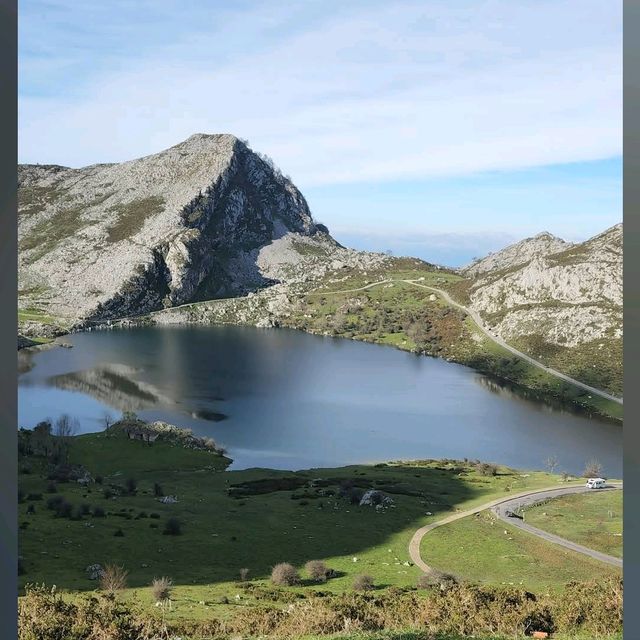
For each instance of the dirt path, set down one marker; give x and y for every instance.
(502, 505)
(497, 339)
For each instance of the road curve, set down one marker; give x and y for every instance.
(516, 503)
(497, 339)
(519, 498)
(475, 316)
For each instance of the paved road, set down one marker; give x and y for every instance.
(514, 504)
(475, 316)
(519, 498)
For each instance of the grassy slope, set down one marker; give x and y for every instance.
(476, 548)
(408, 318)
(591, 519)
(222, 534)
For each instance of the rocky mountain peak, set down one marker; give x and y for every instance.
(183, 224)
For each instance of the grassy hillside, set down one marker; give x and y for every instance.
(591, 519)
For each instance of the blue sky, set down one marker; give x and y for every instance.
(432, 128)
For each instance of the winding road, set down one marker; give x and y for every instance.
(512, 503)
(497, 339)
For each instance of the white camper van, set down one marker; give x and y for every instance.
(596, 483)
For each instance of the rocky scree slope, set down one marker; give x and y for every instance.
(549, 298)
(207, 218)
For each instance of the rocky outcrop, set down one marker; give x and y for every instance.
(567, 297)
(517, 254)
(189, 223)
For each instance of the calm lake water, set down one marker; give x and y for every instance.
(288, 400)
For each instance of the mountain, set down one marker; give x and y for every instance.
(559, 302)
(188, 223)
(517, 254)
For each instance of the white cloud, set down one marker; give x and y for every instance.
(378, 92)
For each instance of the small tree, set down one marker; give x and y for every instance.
(317, 570)
(113, 579)
(161, 589)
(363, 583)
(65, 428)
(552, 463)
(107, 420)
(593, 469)
(284, 575)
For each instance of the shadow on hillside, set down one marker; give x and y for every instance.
(237, 519)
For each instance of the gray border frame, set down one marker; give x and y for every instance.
(631, 201)
(8, 318)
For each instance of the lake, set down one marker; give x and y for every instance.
(284, 399)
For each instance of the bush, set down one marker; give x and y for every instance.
(284, 575)
(244, 574)
(98, 512)
(31, 509)
(113, 579)
(34, 496)
(107, 493)
(439, 579)
(52, 488)
(317, 570)
(98, 479)
(157, 490)
(154, 515)
(64, 510)
(161, 589)
(118, 533)
(54, 503)
(172, 527)
(487, 469)
(363, 583)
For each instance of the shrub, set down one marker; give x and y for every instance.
(107, 493)
(157, 490)
(363, 583)
(98, 479)
(154, 515)
(34, 496)
(244, 574)
(113, 578)
(435, 578)
(317, 570)
(118, 533)
(31, 509)
(54, 503)
(172, 527)
(487, 469)
(51, 487)
(284, 575)
(64, 510)
(161, 589)
(98, 512)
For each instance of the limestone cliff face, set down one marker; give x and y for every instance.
(186, 224)
(568, 294)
